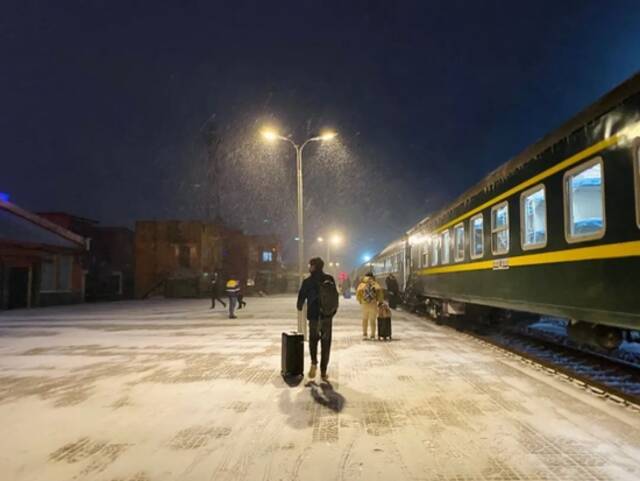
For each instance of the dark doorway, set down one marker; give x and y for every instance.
(18, 287)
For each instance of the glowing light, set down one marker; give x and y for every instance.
(270, 134)
(4, 197)
(328, 135)
(320, 239)
(336, 239)
(366, 258)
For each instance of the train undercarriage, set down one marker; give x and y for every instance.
(472, 316)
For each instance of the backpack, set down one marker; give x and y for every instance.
(369, 293)
(328, 297)
(384, 312)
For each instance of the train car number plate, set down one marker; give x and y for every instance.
(500, 264)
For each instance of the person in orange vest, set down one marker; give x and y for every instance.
(233, 292)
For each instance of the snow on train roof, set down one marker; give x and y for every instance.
(607, 102)
(396, 244)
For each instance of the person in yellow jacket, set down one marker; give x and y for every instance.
(369, 294)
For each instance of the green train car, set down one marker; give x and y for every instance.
(554, 231)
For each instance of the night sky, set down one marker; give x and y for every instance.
(104, 104)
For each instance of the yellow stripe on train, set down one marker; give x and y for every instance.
(606, 251)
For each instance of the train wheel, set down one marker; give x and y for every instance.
(608, 337)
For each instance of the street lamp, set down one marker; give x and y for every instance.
(271, 135)
(335, 240)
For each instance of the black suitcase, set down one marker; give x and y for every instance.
(384, 328)
(292, 354)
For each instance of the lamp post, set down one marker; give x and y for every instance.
(272, 135)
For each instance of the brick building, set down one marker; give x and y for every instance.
(176, 258)
(108, 263)
(40, 261)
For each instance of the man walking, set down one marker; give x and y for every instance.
(369, 295)
(215, 291)
(393, 289)
(320, 292)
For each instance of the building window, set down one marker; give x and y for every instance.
(500, 228)
(64, 273)
(584, 202)
(425, 255)
(55, 274)
(476, 249)
(458, 240)
(48, 275)
(446, 246)
(533, 218)
(267, 256)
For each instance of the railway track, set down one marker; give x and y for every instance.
(617, 380)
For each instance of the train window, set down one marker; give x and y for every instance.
(584, 202)
(533, 218)
(500, 228)
(458, 242)
(435, 250)
(425, 255)
(477, 236)
(446, 246)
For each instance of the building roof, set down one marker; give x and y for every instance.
(66, 215)
(18, 226)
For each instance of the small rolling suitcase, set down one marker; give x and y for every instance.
(384, 328)
(292, 354)
(384, 322)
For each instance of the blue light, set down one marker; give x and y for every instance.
(4, 197)
(366, 258)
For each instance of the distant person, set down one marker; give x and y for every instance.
(215, 291)
(321, 294)
(394, 290)
(346, 288)
(241, 302)
(233, 291)
(369, 294)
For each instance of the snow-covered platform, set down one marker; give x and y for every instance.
(164, 390)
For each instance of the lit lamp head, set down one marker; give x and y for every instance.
(328, 135)
(336, 239)
(270, 134)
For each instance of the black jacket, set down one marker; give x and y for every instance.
(392, 285)
(309, 291)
